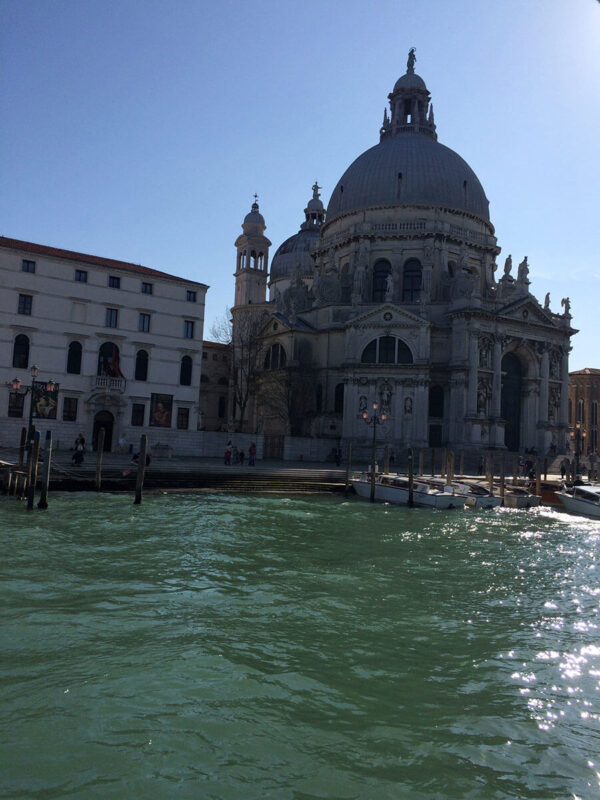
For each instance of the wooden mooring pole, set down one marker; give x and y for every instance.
(386, 459)
(348, 470)
(99, 452)
(22, 446)
(411, 501)
(449, 467)
(420, 472)
(141, 470)
(34, 450)
(502, 479)
(43, 501)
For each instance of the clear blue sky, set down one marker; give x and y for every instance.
(140, 129)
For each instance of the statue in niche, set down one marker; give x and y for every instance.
(508, 267)
(362, 404)
(547, 302)
(553, 403)
(554, 366)
(464, 284)
(408, 405)
(484, 353)
(566, 304)
(482, 396)
(389, 288)
(428, 253)
(358, 284)
(523, 271)
(385, 396)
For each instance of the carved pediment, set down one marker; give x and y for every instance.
(388, 317)
(527, 309)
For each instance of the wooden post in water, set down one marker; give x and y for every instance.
(502, 479)
(432, 462)
(43, 501)
(22, 446)
(443, 464)
(99, 452)
(538, 477)
(139, 481)
(420, 472)
(449, 467)
(545, 469)
(461, 463)
(515, 469)
(33, 464)
(386, 459)
(490, 472)
(411, 500)
(348, 469)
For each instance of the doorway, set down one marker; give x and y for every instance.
(510, 403)
(105, 420)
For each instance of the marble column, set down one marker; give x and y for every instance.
(472, 377)
(544, 373)
(564, 389)
(497, 379)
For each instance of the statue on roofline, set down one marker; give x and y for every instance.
(410, 64)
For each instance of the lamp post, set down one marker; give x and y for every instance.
(375, 419)
(16, 385)
(578, 435)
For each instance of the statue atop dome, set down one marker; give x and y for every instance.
(410, 64)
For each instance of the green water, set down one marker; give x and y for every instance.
(205, 646)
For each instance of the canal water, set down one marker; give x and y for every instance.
(238, 647)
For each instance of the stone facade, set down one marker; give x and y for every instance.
(123, 342)
(584, 397)
(392, 295)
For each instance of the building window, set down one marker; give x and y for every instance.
(381, 271)
(114, 282)
(27, 266)
(594, 413)
(190, 296)
(204, 354)
(146, 288)
(70, 409)
(144, 323)
(183, 418)
(276, 357)
(580, 411)
(338, 403)
(141, 365)
(137, 414)
(16, 401)
(81, 276)
(25, 301)
(21, 352)
(594, 442)
(112, 318)
(411, 281)
(74, 358)
(222, 409)
(109, 363)
(436, 402)
(185, 371)
(386, 350)
(188, 329)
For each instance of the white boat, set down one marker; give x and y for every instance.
(475, 494)
(584, 499)
(520, 497)
(394, 489)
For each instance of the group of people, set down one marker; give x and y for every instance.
(78, 450)
(235, 456)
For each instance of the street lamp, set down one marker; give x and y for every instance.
(16, 385)
(578, 435)
(375, 419)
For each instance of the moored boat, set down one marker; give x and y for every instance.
(394, 489)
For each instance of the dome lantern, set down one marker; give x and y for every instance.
(410, 108)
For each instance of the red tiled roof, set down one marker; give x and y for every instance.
(586, 371)
(57, 252)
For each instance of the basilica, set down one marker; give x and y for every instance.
(394, 295)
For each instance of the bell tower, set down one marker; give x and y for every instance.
(252, 260)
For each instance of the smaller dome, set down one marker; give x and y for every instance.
(410, 81)
(254, 217)
(293, 253)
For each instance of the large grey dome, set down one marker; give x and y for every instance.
(409, 169)
(294, 252)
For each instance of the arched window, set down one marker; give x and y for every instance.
(387, 350)
(580, 411)
(436, 401)
(275, 358)
(74, 358)
(411, 281)
(338, 402)
(185, 371)
(141, 365)
(109, 361)
(381, 270)
(21, 352)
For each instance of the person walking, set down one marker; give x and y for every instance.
(251, 454)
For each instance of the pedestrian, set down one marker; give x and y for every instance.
(228, 454)
(563, 469)
(251, 454)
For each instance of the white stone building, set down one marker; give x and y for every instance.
(391, 294)
(122, 342)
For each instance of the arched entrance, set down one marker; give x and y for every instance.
(103, 419)
(510, 404)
